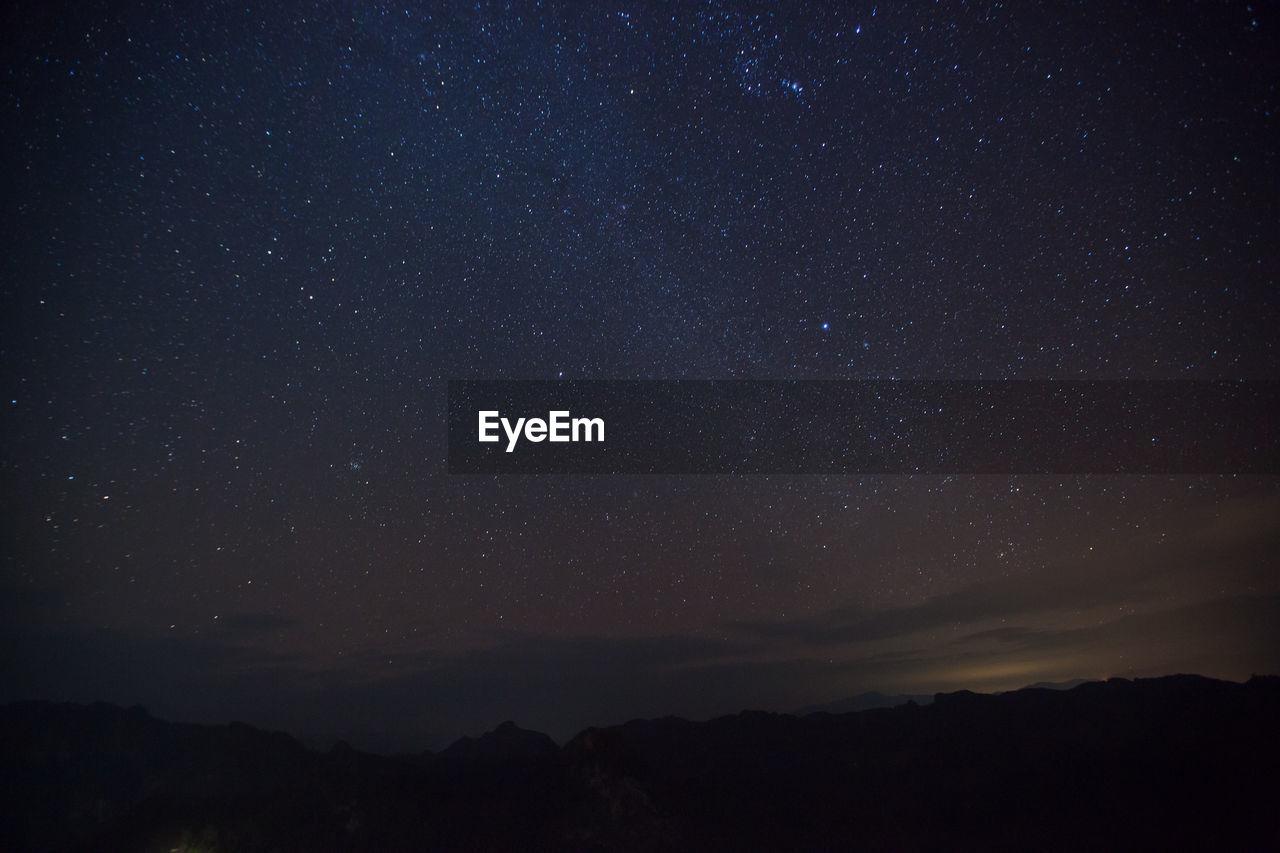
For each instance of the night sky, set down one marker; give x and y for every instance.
(245, 249)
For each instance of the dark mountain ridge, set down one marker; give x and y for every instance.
(507, 743)
(865, 702)
(876, 699)
(1181, 762)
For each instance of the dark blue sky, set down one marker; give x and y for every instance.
(245, 248)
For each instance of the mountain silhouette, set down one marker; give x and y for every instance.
(865, 702)
(507, 743)
(1175, 763)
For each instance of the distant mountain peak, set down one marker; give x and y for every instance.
(865, 702)
(507, 742)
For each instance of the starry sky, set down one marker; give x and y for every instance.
(246, 248)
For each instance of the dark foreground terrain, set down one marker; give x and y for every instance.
(1171, 763)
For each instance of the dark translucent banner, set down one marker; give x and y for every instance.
(863, 427)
